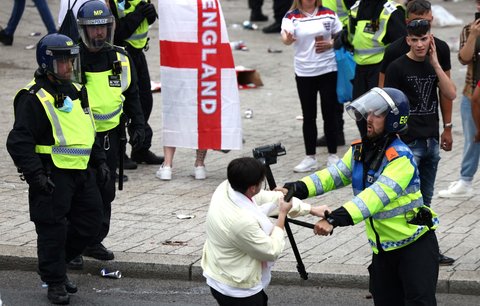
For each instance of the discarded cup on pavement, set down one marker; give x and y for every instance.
(249, 26)
(239, 45)
(111, 274)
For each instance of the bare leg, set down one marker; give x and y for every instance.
(168, 152)
(200, 161)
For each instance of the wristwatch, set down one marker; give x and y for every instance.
(447, 125)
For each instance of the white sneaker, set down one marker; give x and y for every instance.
(164, 173)
(457, 189)
(308, 164)
(200, 173)
(332, 159)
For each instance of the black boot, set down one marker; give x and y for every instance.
(146, 156)
(445, 260)
(322, 141)
(57, 294)
(5, 39)
(128, 163)
(76, 263)
(98, 251)
(70, 286)
(275, 27)
(125, 177)
(258, 17)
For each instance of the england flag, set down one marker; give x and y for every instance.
(201, 106)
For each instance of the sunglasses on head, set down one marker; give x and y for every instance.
(418, 25)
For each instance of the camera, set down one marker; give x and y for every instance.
(477, 15)
(269, 153)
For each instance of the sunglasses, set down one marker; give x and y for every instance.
(418, 25)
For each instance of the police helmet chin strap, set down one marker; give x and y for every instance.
(378, 157)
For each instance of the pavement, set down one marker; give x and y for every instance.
(147, 235)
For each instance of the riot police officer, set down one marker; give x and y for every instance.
(373, 25)
(51, 144)
(132, 20)
(112, 89)
(386, 186)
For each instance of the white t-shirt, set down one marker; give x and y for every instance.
(305, 27)
(64, 7)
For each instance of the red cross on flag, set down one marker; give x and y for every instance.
(201, 106)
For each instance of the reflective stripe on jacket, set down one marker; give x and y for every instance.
(366, 38)
(73, 132)
(338, 6)
(105, 94)
(388, 200)
(139, 38)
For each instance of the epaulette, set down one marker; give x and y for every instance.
(119, 49)
(34, 89)
(391, 153)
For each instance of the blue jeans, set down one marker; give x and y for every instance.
(471, 149)
(427, 156)
(17, 12)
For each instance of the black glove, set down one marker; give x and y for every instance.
(149, 11)
(341, 40)
(42, 183)
(136, 138)
(103, 174)
(299, 188)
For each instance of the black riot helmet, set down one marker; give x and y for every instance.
(59, 57)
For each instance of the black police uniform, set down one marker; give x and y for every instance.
(110, 140)
(366, 76)
(68, 218)
(124, 28)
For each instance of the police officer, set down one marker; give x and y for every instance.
(386, 187)
(373, 24)
(51, 144)
(112, 88)
(340, 7)
(132, 19)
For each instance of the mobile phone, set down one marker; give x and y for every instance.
(477, 15)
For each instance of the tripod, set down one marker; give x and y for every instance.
(267, 155)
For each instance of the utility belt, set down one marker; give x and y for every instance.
(106, 136)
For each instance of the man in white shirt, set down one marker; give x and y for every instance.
(242, 243)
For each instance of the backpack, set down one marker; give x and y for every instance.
(69, 24)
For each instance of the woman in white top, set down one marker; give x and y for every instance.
(310, 27)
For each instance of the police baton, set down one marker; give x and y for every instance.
(123, 148)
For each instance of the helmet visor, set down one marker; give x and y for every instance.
(66, 63)
(376, 102)
(97, 33)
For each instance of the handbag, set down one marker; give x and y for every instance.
(345, 74)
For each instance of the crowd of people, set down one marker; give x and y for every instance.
(402, 86)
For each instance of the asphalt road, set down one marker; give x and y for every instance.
(25, 288)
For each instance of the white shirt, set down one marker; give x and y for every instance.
(305, 27)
